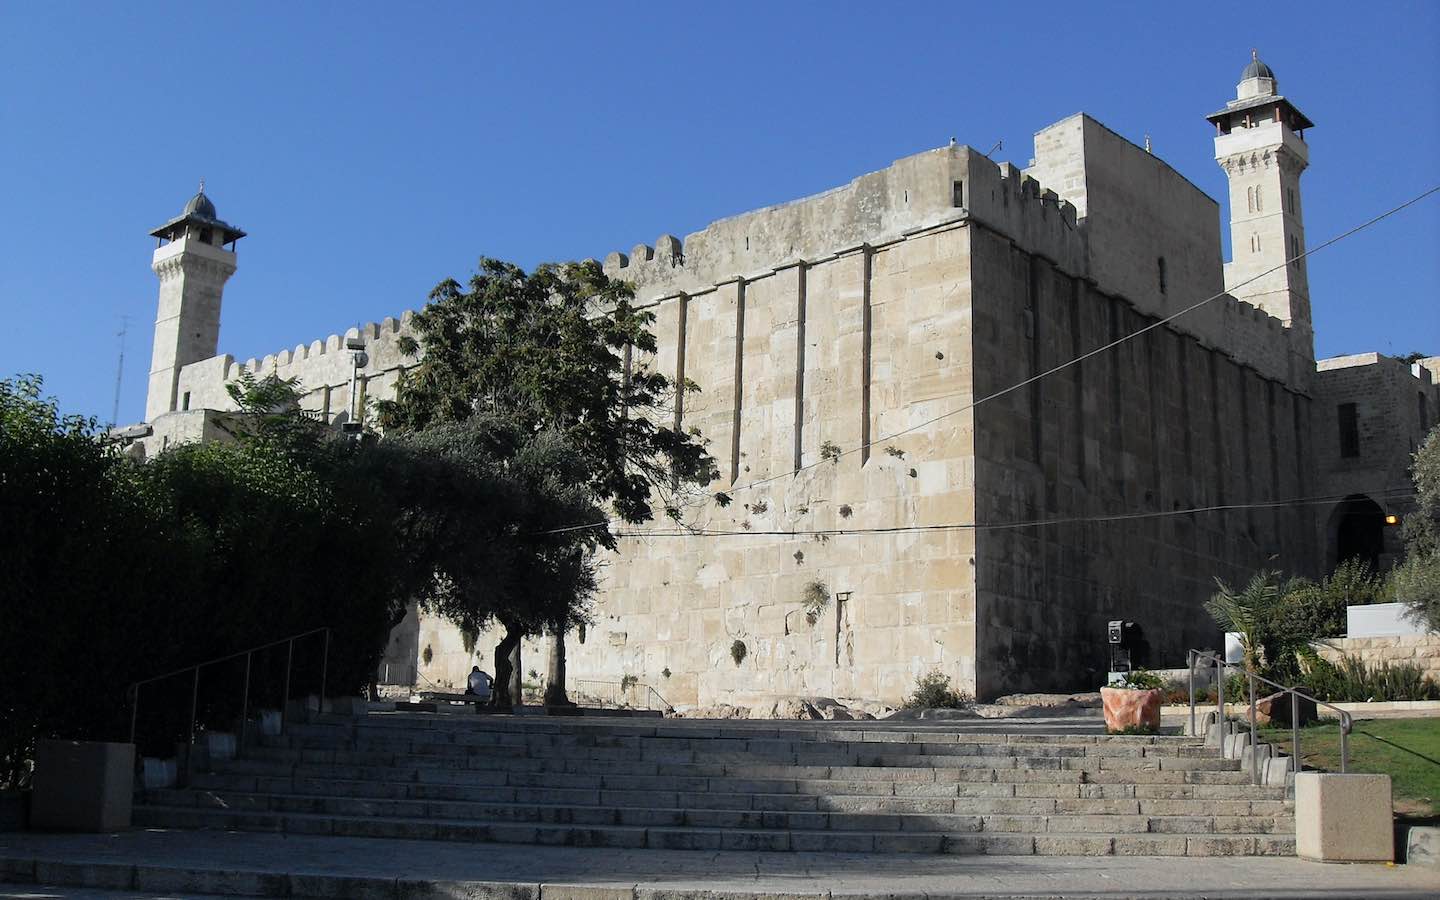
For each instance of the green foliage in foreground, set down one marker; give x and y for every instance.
(1353, 681)
(1140, 680)
(114, 570)
(933, 691)
(1408, 750)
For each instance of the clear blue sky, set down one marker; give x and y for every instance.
(372, 149)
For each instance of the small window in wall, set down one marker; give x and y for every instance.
(207, 235)
(1349, 430)
(1160, 270)
(1290, 200)
(959, 197)
(1295, 250)
(185, 401)
(1250, 199)
(1259, 204)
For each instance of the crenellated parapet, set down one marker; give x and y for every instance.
(323, 368)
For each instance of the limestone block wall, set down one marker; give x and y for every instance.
(1160, 424)
(1154, 238)
(322, 366)
(835, 350)
(1422, 650)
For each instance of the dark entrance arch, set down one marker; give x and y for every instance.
(1357, 529)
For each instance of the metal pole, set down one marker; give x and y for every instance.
(134, 708)
(324, 669)
(1295, 728)
(285, 701)
(194, 701)
(1254, 756)
(1220, 701)
(1190, 663)
(244, 707)
(1344, 742)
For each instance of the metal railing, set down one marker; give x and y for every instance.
(1221, 669)
(249, 655)
(615, 692)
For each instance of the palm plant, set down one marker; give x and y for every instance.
(1261, 613)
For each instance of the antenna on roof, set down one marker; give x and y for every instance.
(119, 370)
(998, 144)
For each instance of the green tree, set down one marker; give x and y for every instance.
(1417, 579)
(1269, 614)
(554, 351)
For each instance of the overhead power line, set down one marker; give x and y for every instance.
(1397, 494)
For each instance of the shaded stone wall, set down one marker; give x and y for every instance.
(1159, 424)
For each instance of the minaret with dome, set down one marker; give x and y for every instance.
(1260, 143)
(194, 257)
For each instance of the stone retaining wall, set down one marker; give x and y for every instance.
(1421, 649)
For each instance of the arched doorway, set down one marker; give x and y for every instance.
(1357, 530)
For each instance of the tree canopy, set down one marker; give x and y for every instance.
(555, 349)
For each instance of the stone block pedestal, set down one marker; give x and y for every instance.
(82, 786)
(1343, 818)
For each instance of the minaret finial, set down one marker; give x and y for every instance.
(1254, 55)
(202, 184)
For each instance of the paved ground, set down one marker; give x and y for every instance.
(185, 863)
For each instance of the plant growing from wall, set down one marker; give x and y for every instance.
(427, 654)
(814, 597)
(627, 682)
(738, 651)
(665, 672)
(845, 511)
(830, 452)
(895, 452)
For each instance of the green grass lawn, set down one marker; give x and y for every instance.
(1408, 750)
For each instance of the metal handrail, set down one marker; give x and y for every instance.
(134, 690)
(665, 704)
(1346, 721)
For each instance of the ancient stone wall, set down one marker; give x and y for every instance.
(866, 320)
(1160, 424)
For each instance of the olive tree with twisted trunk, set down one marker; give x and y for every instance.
(555, 351)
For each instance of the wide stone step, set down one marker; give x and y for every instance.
(934, 793)
(838, 781)
(501, 732)
(722, 764)
(829, 813)
(422, 741)
(981, 840)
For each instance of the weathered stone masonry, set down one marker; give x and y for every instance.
(990, 541)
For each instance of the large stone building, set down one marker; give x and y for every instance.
(979, 522)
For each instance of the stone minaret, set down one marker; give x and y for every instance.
(194, 257)
(1260, 143)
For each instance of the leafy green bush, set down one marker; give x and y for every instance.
(1139, 680)
(933, 691)
(1353, 681)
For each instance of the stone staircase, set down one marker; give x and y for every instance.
(695, 785)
